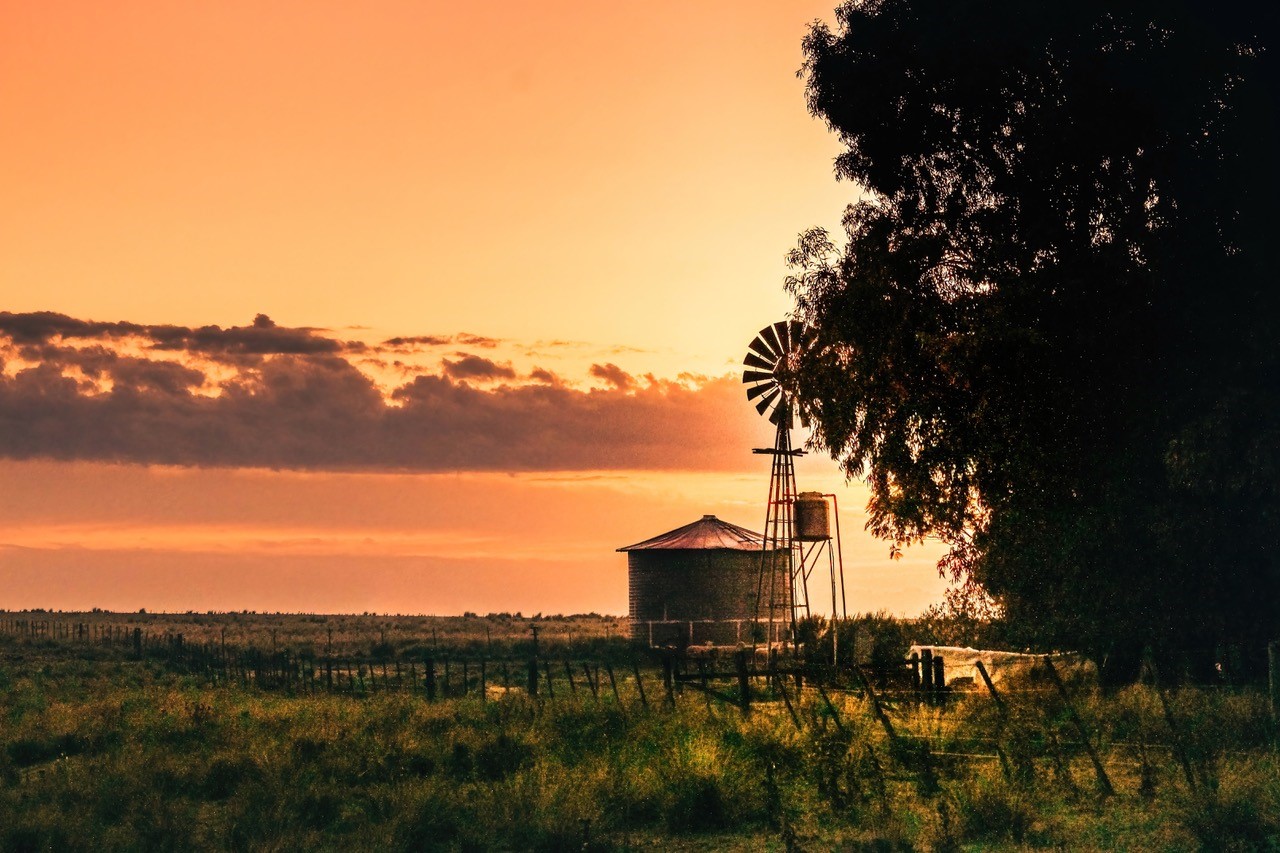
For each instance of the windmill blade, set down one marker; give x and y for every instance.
(758, 344)
(767, 400)
(768, 353)
(783, 330)
(771, 338)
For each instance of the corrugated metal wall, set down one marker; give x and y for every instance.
(679, 585)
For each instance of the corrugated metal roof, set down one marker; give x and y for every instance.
(706, 534)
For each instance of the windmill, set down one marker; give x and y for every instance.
(795, 529)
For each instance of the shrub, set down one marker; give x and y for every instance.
(500, 757)
(1241, 814)
(991, 811)
(226, 774)
(696, 805)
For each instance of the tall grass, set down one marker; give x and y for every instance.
(124, 755)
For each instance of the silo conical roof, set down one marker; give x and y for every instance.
(706, 534)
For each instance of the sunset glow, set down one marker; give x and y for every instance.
(410, 307)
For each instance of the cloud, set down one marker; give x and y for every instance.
(416, 342)
(469, 339)
(546, 377)
(614, 375)
(98, 363)
(312, 410)
(39, 327)
(419, 341)
(475, 367)
(262, 337)
(547, 427)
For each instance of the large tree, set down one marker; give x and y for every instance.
(1051, 336)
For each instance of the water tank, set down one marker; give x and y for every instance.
(813, 524)
(707, 573)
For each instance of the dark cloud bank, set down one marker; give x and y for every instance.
(296, 402)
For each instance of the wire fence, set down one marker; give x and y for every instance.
(1036, 722)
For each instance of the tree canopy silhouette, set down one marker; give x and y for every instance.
(1050, 336)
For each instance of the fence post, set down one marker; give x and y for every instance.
(744, 681)
(939, 680)
(1178, 748)
(1059, 762)
(1002, 722)
(1273, 672)
(776, 678)
(926, 672)
(875, 706)
(568, 673)
(1104, 783)
(635, 667)
(835, 715)
(706, 687)
(429, 677)
(533, 677)
(613, 683)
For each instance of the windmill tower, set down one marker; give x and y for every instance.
(795, 529)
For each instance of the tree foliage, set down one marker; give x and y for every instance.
(1049, 337)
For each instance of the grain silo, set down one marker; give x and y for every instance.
(697, 584)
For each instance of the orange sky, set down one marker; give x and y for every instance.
(610, 184)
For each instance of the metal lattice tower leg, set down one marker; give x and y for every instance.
(782, 596)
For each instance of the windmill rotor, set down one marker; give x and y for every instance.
(766, 354)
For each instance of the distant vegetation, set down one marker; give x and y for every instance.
(382, 636)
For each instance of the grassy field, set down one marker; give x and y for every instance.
(106, 751)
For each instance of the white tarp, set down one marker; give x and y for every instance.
(960, 663)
